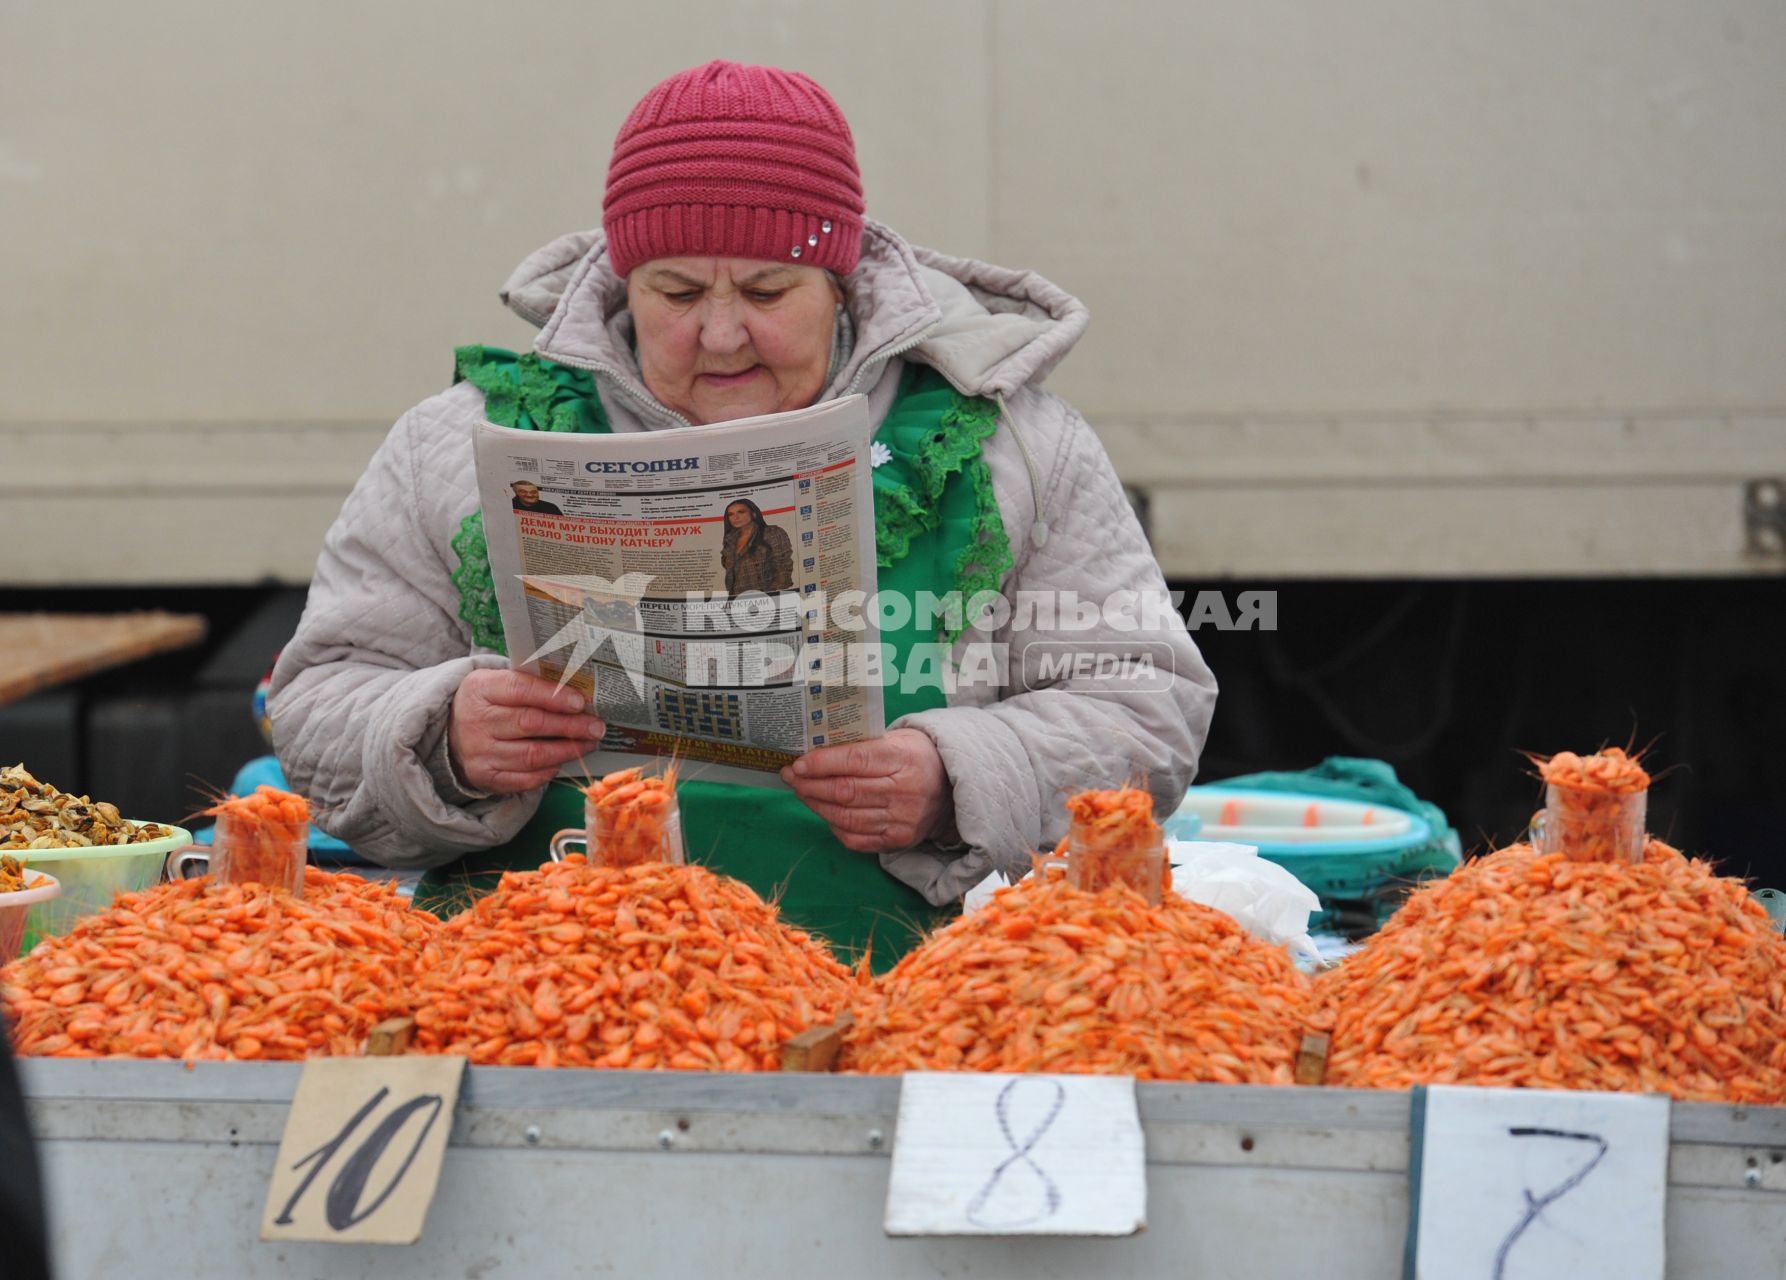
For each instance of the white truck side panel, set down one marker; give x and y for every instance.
(1315, 239)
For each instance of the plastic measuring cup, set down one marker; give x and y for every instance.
(607, 838)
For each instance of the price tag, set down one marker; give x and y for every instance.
(1012, 1155)
(361, 1154)
(1530, 1184)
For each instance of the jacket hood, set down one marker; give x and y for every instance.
(989, 330)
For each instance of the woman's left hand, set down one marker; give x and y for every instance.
(884, 794)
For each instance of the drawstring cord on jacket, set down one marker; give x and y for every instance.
(1038, 530)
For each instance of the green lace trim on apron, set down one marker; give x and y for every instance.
(530, 393)
(476, 584)
(912, 490)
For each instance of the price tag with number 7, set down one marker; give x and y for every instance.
(362, 1149)
(1530, 1184)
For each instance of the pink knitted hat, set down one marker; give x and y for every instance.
(737, 162)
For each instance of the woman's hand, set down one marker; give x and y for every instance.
(511, 731)
(880, 795)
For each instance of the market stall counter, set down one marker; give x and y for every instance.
(666, 1173)
(1170, 1086)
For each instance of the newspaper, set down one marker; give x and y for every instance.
(677, 579)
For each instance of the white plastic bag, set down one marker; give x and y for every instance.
(1266, 900)
(981, 894)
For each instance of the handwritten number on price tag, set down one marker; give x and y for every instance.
(1536, 1206)
(409, 1095)
(350, 1184)
(977, 1207)
(986, 1154)
(1514, 1184)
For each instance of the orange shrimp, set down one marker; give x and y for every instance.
(1048, 977)
(1113, 839)
(650, 966)
(1529, 969)
(261, 838)
(1594, 806)
(199, 969)
(633, 818)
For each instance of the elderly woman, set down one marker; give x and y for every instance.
(735, 274)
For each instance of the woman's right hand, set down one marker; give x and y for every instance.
(510, 731)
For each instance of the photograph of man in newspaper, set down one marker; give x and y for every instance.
(756, 555)
(527, 498)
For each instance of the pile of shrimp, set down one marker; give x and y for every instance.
(1533, 970)
(199, 970)
(651, 966)
(1051, 978)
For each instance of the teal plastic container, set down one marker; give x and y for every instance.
(1360, 858)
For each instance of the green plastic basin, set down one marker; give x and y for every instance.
(92, 877)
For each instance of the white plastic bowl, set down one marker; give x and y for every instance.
(1278, 818)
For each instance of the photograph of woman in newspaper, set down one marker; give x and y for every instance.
(755, 554)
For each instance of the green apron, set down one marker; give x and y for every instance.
(937, 527)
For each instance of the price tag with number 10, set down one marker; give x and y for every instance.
(362, 1149)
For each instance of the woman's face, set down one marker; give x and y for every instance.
(725, 338)
(737, 515)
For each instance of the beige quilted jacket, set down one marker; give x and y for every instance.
(360, 697)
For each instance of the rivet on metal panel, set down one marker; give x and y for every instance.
(1764, 517)
(666, 1139)
(532, 1134)
(876, 1139)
